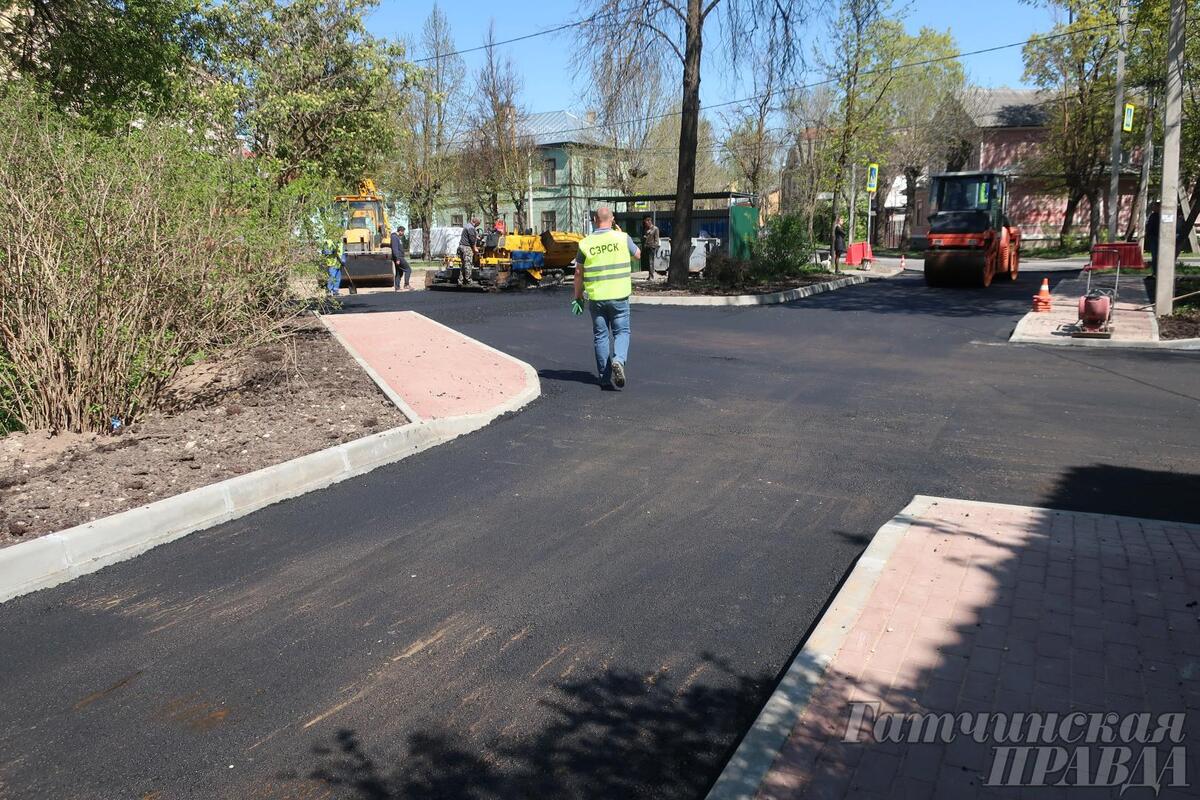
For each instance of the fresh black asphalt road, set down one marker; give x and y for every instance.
(594, 597)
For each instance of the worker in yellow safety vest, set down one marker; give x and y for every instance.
(334, 256)
(602, 271)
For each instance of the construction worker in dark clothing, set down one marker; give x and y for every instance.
(468, 244)
(399, 245)
(650, 238)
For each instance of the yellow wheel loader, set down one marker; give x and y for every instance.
(366, 239)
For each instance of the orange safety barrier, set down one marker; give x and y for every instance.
(859, 252)
(1129, 256)
(1104, 257)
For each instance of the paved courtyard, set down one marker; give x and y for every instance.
(593, 597)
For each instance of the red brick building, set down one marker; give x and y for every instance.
(1010, 126)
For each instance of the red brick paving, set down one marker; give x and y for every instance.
(1005, 608)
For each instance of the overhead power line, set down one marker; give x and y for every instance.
(827, 81)
(565, 26)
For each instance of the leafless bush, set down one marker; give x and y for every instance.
(122, 259)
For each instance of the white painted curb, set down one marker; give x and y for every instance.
(59, 557)
(743, 774)
(774, 298)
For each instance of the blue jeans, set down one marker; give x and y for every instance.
(610, 330)
(335, 279)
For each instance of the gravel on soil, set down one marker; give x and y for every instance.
(701, 286)
(221, 419)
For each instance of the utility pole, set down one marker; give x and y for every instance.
(1164, 270)
(1114, 178)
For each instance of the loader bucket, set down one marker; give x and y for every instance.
(957, 268)
(368, 269)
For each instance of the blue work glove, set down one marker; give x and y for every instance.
(577, 307)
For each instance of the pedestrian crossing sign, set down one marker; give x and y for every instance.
(872, 177)
(1128, 124)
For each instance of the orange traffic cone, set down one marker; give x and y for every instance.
(1041, 300)
(902, 266)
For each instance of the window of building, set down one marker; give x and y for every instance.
(456, 220)
(549, 172)
(549, 221)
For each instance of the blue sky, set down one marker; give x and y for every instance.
(545, 62)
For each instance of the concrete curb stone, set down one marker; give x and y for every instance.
(62, 556)
(760, 746)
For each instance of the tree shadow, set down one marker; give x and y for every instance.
(1056, 614)
(618, 734)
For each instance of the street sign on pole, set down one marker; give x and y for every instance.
(872, 178)
(1127, 125)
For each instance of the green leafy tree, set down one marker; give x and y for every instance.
(112, 62)
(1078, 70)
(1146, 76)
(425, 168)
(310, 89)
(863, 38)
(925, 105)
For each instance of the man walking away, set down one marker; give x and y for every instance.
(649, 246)
(467, 245)
(400, 257)
(604, 268)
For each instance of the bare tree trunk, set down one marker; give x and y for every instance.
(1068, 219)
(427, 228)
(1137, 220)
(910, 207)
(1093, 217)
(689, 126)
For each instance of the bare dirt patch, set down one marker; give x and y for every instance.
(1180, 325)
(223, 419)
(710, 288)
(1185, 322)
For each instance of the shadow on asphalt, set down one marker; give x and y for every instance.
(612, 736)
(1104, 489)
(568, 375)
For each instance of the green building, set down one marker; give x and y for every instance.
(570, 165)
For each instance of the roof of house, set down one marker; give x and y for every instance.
(1009, 108)
(560, 127)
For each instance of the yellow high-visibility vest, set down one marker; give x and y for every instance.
(606, 266)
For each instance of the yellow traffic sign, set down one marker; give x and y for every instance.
(1128, 124)
(872, 177)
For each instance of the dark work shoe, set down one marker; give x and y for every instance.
(618, 374)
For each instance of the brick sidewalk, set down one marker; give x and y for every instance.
(983, 607)
(1133, 322)
(434, 371)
